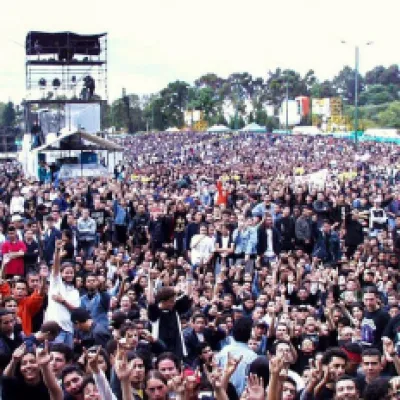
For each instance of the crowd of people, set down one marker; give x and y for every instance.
(217, 267)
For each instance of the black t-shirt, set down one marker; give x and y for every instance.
(372, 327)
(325, 394)
(100, 216)
(70, 250)
(392, 330)
(16, 388)
(32, 253)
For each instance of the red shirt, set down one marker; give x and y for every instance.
(15, 266)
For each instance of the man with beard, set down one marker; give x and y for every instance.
(334, 364)
(72, 379)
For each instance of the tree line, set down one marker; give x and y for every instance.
(379, 99)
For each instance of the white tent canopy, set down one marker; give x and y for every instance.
(218, 128)
(103, 143)
(172, 129)
(253, 127)
(53, 152)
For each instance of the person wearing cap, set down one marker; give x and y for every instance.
(87, 332)
(353, 352)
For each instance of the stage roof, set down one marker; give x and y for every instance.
(103, 143)
(51, 43)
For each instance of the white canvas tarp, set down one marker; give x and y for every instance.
(71, 171)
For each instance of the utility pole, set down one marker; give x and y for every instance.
(356, 97)
(357, 68)
(287, 105)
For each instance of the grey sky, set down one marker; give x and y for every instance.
(153, 42)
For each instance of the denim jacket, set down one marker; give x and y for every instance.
(240, 238)
(120, 214)
(251, 245)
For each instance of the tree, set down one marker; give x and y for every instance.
(374, 76)
(376, 94)
(323, 89)
(9, 115)
(345, 84)
(390, 118)
(271, 123)
(175, 99)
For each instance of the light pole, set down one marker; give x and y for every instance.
(356, 72)
(287, 105)
(237, 106)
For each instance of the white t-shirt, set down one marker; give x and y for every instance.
(270, 247)
(201, 248)
(17, 205)
(56, 311)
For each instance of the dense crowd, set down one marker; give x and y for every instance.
(222, 267)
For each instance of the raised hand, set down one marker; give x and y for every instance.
(232, 365)
(19, 352)
(93, 361)
(43, 356)
(177, 384)
(214, 377)
(388, 348)
(59, 244)
(255, 388)
(276, 365)
(122, 367)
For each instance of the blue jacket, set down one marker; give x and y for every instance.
(240, 238)
(120, 214)
(98, 307)
(327, 249)
(49, 243)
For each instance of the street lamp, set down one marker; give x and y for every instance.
(237, 104)
(357, 67)
(287, 105)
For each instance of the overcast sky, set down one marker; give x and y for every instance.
(152, 42)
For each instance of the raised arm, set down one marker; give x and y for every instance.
(57, 258)
(100, 379)
(9, 372)
(43, 359)
(123, 371)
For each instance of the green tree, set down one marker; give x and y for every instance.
(376, 94)
(323, 89)
(251, 117)
(9, 114)
(175, 98)
(345, 84)
(390, 118)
